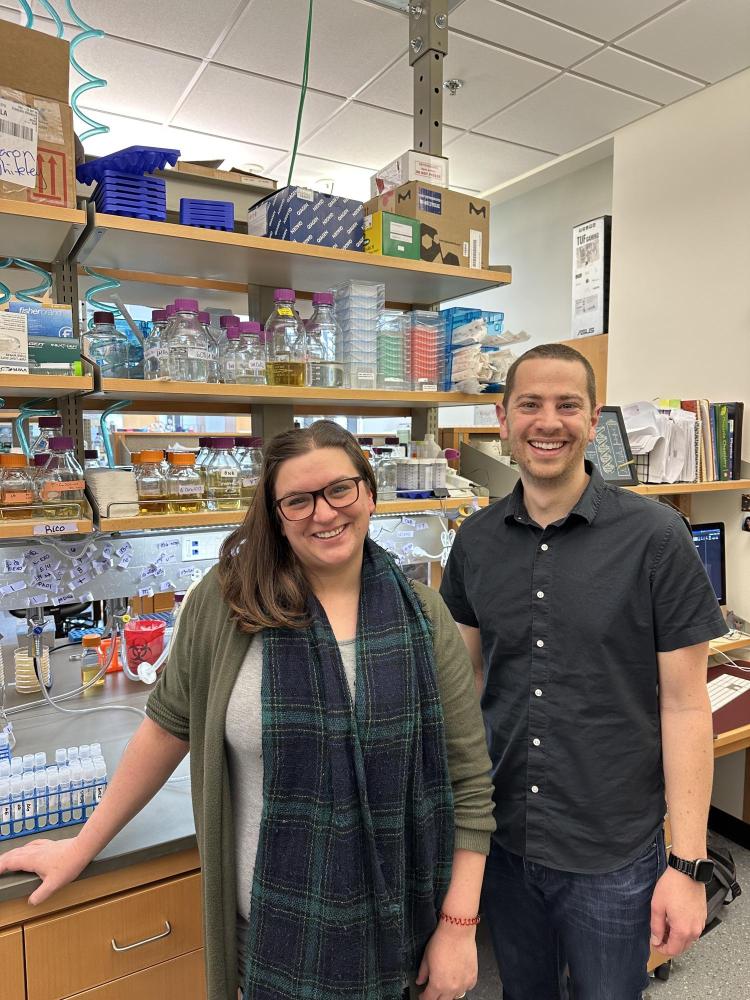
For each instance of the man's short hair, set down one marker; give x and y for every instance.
(554, 352)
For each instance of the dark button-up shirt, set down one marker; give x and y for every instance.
(571, 618)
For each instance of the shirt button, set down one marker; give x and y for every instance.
(538, 692)
(537, 742)
(540, 594)
(544, 546)
(535, 789)
(540, 643)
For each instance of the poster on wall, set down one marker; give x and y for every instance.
(591, 243)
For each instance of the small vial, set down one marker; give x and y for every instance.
(16, 803)
(29, 801)
(61, 756)
(40, 780)
(53, 798)
(76, 791)
(64, 785)
(5, 807)
(72, 755)
(28, 761)
(100, 779)
(89, 778)
(84, 750)
(96, 749)
(16, 767)
(40, 760)
(4, 768)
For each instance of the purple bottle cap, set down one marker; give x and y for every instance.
(61, 444)
(284, 295)
(256, 442)
(391, 440)
(222, 442)
(322, 298)
(49, 422)
(228, 320)
(40, 460)
(91, 453)
(250, 327)
(233, 333)
(243, 442)
(158, 315)
(204, 318)
(104, 317)
(204, 442)
(186, 305)
(170, 310)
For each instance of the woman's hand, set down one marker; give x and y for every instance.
(449, 965)
(56, 862)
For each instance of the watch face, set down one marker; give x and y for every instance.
(704, 871)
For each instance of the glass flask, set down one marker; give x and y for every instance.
(185, 487)
(250, 458)
(155, 352)
(286, 351)
(190, 354)
(150, 482)
(251, 355)
(323, 342)
(61, 482)
(107, 347)
(222, 476)
(16, 488)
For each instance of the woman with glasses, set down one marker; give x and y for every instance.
(339, 773)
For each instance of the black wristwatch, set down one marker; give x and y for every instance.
(701, 870)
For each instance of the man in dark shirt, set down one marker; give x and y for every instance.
(587, 614)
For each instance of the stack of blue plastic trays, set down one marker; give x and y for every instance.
(358, 308)
(207, 214)
(130, 194)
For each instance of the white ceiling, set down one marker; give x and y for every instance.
(541, 77)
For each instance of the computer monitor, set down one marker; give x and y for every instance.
(709, 541)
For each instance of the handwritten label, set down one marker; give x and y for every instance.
(12, 588)
(56, 528)
(166, 585)
(14, 565)
(124, 562)
(145, 592)
(19, 128)
(404, 534)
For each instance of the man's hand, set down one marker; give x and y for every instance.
(449, 966)
(56, 862)
(678, 913)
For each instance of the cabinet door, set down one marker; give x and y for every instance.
(179, 979)
(11, 965)
(97, 944)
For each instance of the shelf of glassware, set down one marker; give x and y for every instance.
(139, 389)
(20, 384)
(218, 518)
(39, 529)
(151, 249)
(38, 232)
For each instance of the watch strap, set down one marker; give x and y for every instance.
(696, 870)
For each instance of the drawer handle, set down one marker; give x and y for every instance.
(137, 944)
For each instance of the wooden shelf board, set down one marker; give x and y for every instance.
(27, 386)
(38, 232)
(25, 528)
(732, 741)
(161, 248)
(416, 506)
(727, 645)
(137, 389)
(674, 489)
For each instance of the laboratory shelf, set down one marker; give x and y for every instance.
(38, 529)
(156, 249)
(674, 489)
(178, 392)
(17, 385)
(38, 232)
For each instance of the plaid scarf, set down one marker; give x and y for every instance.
(356, 836)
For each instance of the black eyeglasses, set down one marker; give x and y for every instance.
(298, 506)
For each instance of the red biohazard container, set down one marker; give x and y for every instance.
(144, 641)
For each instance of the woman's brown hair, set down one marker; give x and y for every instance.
(260, 577)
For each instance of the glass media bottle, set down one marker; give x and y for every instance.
(16, 488)
(323, 341)
(61, 481)
(185, 487)
(286, 351)
(222, 476)
(251, 355)
(150, 482)
(107, 347)
(213, 346)
(250, 457)
(155, 352)
(190, 353)
(49, 427)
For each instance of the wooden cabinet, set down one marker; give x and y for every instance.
(181, 977)
(11, 965)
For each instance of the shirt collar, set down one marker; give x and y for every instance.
(585, 509)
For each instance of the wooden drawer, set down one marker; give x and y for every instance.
(76, 951)
(179, 979)
(13, 983)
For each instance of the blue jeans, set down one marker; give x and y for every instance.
(542, 920)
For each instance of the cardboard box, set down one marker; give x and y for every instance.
(54, 356)
(410, 166)
(37, 149)
(44, 321)
(392, 235)
(14, 353)
(454, 227)
(302, 215)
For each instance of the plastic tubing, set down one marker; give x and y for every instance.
(106, 284)
(92, 82)
(26, 294)
(28, 12)
(105, 430)
(46, 5)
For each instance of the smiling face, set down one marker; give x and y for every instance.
(548, 420)
(330, 539)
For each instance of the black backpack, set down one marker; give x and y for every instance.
(723, 887)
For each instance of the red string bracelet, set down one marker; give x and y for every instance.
(459, 921)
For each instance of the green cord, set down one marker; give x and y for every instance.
(303, 93)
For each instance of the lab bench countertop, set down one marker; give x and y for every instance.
(164, 826)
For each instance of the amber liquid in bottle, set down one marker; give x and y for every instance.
(286, 372)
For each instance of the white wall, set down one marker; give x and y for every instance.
(680, 289)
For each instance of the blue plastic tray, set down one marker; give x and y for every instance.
(132, 160)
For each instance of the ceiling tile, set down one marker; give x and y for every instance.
(639, 77)
(361, 135)
(141, 82)
(603, 18)
(192, 145)
(567, 113)
(708, 38)
(325, 175)
(518, 30)
(351, 42)
(251, 108)
(492, 79)
(479, 162)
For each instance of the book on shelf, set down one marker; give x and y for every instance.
(719, 433)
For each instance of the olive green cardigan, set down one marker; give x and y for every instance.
(190, 701)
